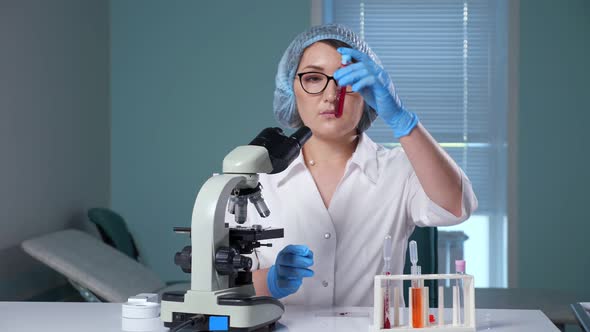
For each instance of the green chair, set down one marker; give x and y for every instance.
(113, 231)
(427, 240)
(109, 270)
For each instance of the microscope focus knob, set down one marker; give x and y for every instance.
(183, 259)
(228, 261)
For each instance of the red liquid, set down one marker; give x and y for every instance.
(417, 315)
(341, 96)
(386, 321)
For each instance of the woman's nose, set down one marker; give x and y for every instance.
(331, 91)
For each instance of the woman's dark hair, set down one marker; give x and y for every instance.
(334, 43)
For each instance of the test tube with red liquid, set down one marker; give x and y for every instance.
(387, 250)
(345, 61)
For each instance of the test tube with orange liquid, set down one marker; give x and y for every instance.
(416, 291)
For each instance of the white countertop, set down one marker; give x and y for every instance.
(106, 317)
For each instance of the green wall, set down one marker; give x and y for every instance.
(190, 81)
(553, 145)
(181, 69)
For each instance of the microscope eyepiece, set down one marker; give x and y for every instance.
(301, 135)
(282, 149)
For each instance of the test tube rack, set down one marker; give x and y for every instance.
(455, 325)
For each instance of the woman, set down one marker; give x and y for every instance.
(344, 193)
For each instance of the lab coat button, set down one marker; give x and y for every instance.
(327, 236)
(325, 283)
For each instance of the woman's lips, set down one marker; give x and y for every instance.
(328, 114)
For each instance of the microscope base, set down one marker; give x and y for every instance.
(233, 308)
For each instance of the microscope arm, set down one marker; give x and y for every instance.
(208, 230)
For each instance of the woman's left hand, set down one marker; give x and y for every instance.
(376, 88)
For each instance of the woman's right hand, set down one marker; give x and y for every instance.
(291, 266)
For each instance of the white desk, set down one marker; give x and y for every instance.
(554, 303)
(106, 317)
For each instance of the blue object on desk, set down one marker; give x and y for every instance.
(218, 323)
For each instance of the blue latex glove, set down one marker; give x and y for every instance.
(376, 88)
(286, 275)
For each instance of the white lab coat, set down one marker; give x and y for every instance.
(379, 194)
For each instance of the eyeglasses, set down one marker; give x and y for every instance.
(315, 82)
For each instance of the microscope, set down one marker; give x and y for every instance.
(222, 296)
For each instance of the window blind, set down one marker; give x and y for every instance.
(440, 55)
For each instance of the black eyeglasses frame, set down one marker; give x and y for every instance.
(300, 75)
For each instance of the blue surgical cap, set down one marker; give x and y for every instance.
(284, 106)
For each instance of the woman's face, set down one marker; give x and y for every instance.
(318, 110)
